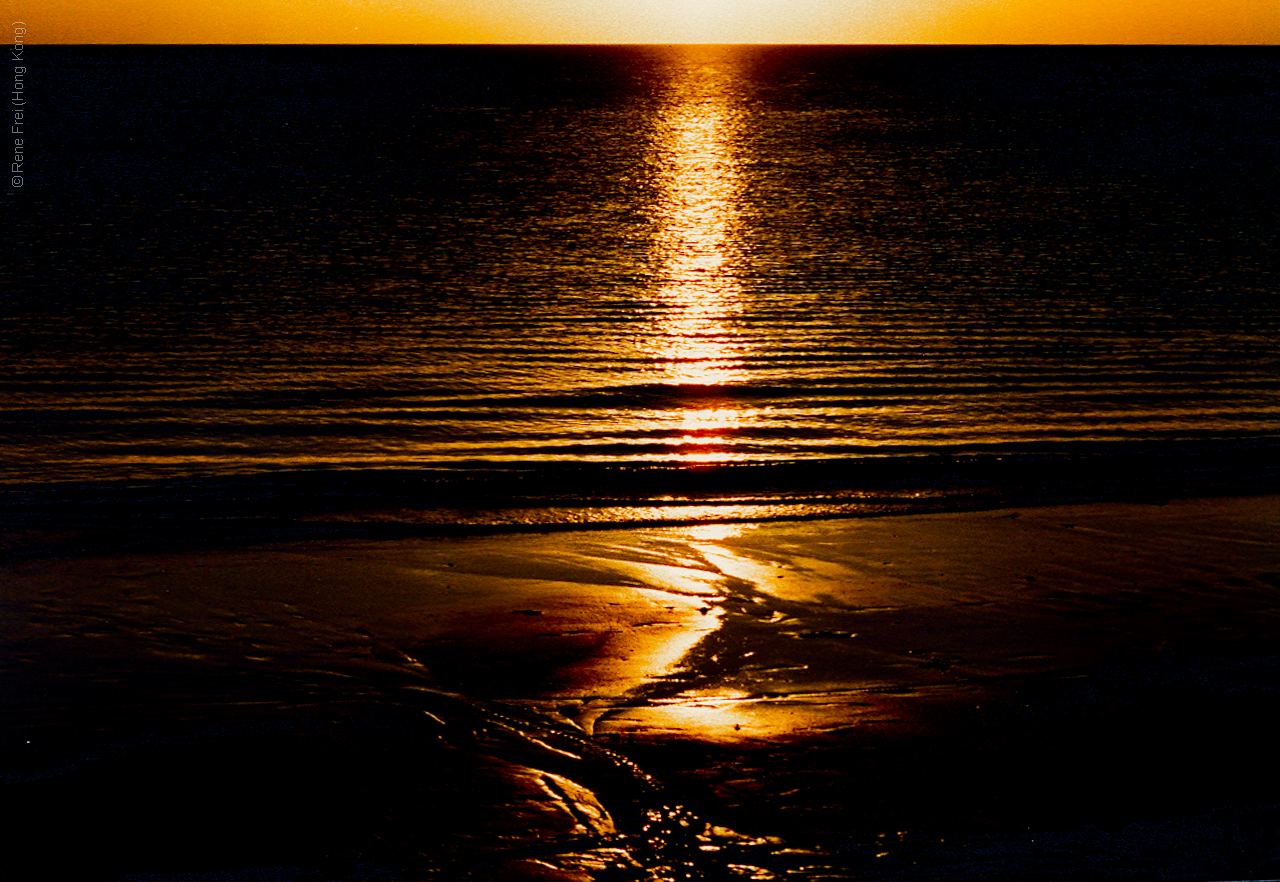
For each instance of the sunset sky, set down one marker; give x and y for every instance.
(650, 21)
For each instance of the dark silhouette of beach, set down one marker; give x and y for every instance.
(1068, 692)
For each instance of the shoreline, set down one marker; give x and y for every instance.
(946, 676)
(160, 513)
(102, 527)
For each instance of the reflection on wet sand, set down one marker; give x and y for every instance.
(583, 703)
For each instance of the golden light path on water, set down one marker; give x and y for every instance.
(698, 217)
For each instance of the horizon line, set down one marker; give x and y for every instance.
(602, 44)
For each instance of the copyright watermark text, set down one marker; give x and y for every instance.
(18, 104)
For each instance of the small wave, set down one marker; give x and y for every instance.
(278, 504)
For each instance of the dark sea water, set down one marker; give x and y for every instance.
(557, 284)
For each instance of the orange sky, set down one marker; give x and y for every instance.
(650, 21)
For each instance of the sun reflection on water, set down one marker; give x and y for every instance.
(699, 230)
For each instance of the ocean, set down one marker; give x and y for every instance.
(550, 284)
(263, 296)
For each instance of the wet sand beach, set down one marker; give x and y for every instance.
(1068, 692)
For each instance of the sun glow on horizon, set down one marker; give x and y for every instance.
(649, 21)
